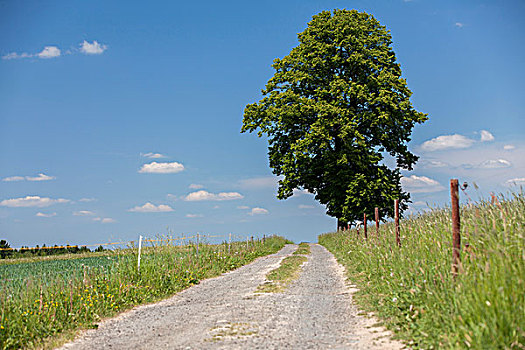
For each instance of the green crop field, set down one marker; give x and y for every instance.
(51, 270)
(413, 289)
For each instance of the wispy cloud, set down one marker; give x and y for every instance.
(208, 196)
(193, 216)
(32, 201)
(83, 213)
(259, 182)
(44, 215)
(459, 24)
(433, 164)
(304, 206)
(151, 208)
(509, 147)
(495, 164)
(516, 181)
(152, 155)
(40, 177)
(195, 187)
(162, 168)
(444, 142)
(243, 207)
(420, 184)
(93, 48)
(105, 220)
(258, 211)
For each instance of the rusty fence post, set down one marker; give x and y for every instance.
(456, 238)
(396, 221)
(377, 220)
(365, 226)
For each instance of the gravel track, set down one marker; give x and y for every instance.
(315, 312)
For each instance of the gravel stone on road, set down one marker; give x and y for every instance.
(315, 312)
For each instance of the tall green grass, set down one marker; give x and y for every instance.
(413, 289)
(36, 307)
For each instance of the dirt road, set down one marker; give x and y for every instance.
(315, 312)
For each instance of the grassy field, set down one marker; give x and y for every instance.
(413, 290)
(41, 300)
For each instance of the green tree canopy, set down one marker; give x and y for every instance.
(334, 106)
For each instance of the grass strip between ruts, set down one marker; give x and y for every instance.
(289, 270)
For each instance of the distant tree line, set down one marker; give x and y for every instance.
(6, 252)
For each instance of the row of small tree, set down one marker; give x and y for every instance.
(7, 252)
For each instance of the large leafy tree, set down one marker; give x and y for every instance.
(335, 106)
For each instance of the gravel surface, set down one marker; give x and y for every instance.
(315, 312)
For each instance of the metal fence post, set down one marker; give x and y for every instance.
(456, 238)
(365, 224)
(377, 220)
(396, 221)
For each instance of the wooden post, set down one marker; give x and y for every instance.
(377, 220)
(396, 221)
(364, 226)
(456, 238)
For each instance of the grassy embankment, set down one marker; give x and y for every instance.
(289, 270)
(40, 308)
(412, 288)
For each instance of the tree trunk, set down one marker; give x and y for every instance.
(341, 225)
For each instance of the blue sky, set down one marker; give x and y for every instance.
(123, 118)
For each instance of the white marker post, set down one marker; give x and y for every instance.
(140, 249)
(198, 236)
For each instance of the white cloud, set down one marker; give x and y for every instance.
(258, 211)
(11, 56)
(495, 164)
(151, 208)
(172, 197)
(162, 168)
(193, 216)
(13, 178)
(49, 52)
(40, 177)
(32, 201)
(260, 182)
(486, 136)
(195, 187)
(304, 206)
(509, 147)
(87, 199)
(44, 215)
(433, 164)
(93, 48)
(243, 207)
(153, 155)
(459, 24)
(83, 213)
(297, 192)
(443, 142)
(208, 196)
(105, 220)
(515, 181)
(420, 184)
